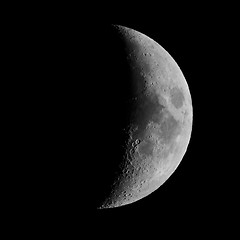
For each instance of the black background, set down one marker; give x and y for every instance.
(65, 168)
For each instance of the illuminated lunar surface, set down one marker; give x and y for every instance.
(155, 134)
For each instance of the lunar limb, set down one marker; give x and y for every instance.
(143, 173)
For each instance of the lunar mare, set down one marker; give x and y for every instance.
(151, 157)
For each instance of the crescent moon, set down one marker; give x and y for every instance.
(160, 73)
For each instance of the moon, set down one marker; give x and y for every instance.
(153, 134)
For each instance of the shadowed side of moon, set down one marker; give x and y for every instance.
(148, 137)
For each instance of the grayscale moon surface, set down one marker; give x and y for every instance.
(154, 135)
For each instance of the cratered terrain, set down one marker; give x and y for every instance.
(144, 118)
